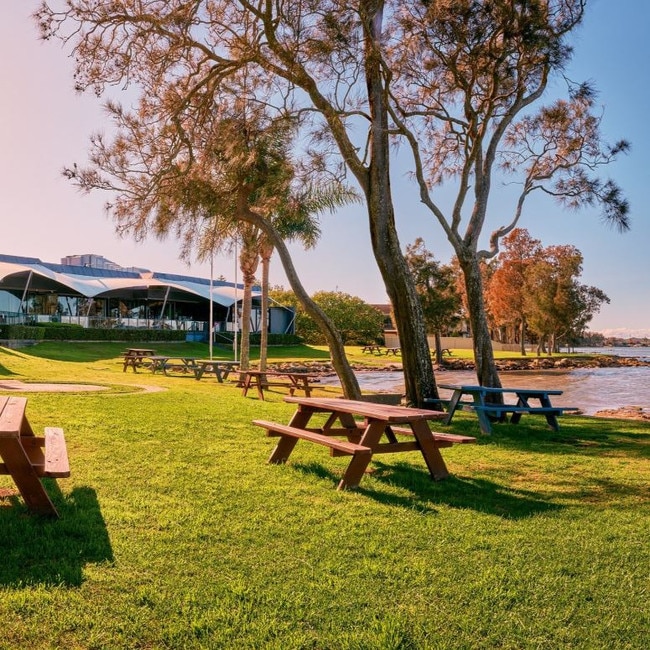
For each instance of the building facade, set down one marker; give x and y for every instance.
(91, 291)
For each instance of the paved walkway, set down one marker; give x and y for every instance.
(15, 384)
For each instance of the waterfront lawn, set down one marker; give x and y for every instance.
(175, 533)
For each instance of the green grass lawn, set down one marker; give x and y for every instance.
(175, 533)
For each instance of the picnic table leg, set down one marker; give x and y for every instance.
(24, 475)
(360, 460)
(484, 422)
(432, 456)
(246, 385)
(260, 386)
(453, 405)
(551, 418)
(286, 444)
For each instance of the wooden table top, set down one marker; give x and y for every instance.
(386, 412)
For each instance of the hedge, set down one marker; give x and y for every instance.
(64, 332)
(60, 332)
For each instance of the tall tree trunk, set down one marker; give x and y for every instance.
(248, 261)
(346, 375)
(438, 341)
(416, 359)
(522, 336)
(266, 250)
(486, 370)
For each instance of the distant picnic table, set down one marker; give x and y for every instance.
(478, 403)
(220, 369)
(135, 357)
(264, 379)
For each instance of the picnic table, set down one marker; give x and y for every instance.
(163, 363)
(28, 458)
(372, 348)
(393, 351)
(135, 357)
(485, 411)
(362, 424)
(220, 369)
(262, 380)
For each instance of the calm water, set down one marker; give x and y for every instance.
(590, 389)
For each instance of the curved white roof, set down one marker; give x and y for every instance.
(18, 275)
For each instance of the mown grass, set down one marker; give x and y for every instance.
(175, 533)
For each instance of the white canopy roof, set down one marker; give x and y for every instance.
(37, 276)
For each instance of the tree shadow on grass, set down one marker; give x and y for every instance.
(4, 372)
(45, 551)
(582, 436)
(424, 494)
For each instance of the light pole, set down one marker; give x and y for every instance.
(211, 302)
(236, 312)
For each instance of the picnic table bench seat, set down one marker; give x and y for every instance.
(500, 409)
(445, 439)
(337, 447)
(28, 458)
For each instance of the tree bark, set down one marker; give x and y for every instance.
(438, 348)
(416, 358)
(265, 254)
(340, 362)
(486, 369)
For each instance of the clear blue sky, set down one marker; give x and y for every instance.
(45, 125)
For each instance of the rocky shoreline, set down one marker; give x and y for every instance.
(503, 365)
(552, 363)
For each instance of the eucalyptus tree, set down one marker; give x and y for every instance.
(320, 60)
(454, 79)
(436, 286)
(506, 292)
(467, 74)
(229, 176)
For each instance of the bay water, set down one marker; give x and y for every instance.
(589, 389)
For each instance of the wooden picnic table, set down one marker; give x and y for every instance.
(264, 379)
(485, 411)
(163, 363)
(362, 424)
(28, 458)
(135, 357)
(220, 369)
(393, 351)
(372, 348)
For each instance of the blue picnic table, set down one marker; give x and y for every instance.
(475, 398)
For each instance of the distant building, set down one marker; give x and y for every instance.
(97, 262)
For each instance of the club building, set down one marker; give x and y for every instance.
(91, 291)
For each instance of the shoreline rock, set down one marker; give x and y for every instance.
(551, 363)
(503, 365)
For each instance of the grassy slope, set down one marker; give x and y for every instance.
(175, 533)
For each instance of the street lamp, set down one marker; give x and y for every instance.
(211, 302)
(236, 313)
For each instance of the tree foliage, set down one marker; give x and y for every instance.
(539, 289)
(505, 296)
(358, 322)
(321, 63)
(436, 286)
(455, 80)
(469, 76)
